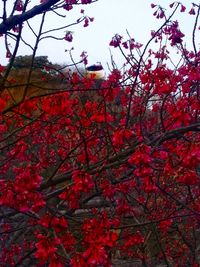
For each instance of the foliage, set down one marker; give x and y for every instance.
(91, 174)
(26, 62)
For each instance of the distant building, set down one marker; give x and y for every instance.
(95, 71)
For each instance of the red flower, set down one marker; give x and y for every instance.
(125, 45)
(84, 2)
(86, 22)
(192, 11)
(2, 104)
(121, 136)
(175, 34)
(46, 248)
(171, 5)
(153, 5)
(183, 8)
(188, 178)
(19, 5)
(68, 36)
(16, 28)
(133, 240)
(165, 225)
(68, 7)
(55, 262)
(8, 54)
(59, 224)
(84, 57)
(70, 2)
(116, 40)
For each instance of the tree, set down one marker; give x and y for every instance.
(93, 175)
(26, 61)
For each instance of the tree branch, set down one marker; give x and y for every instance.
(12, 21)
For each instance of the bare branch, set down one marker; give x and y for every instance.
(12, 21)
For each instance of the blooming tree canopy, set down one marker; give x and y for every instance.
(95, 172)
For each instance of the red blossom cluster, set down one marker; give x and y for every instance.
(98, 171)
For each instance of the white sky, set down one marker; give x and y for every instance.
(110, 17)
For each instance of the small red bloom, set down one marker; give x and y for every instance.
(165, 225)
(2, 104)
(171, 5)
(68, 36)
(16, 28)
(8, 54)
(84, 2)
(133, 240)
(86, 22)
(192, 11)
(19, 5)
(84, 57)
(46, 248)
(153, 5)
(91, 19)
(183, 8)
(116, 40)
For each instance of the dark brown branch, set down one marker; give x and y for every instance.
(177, 132)
(12, 21)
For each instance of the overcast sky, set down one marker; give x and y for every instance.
(110, 17)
